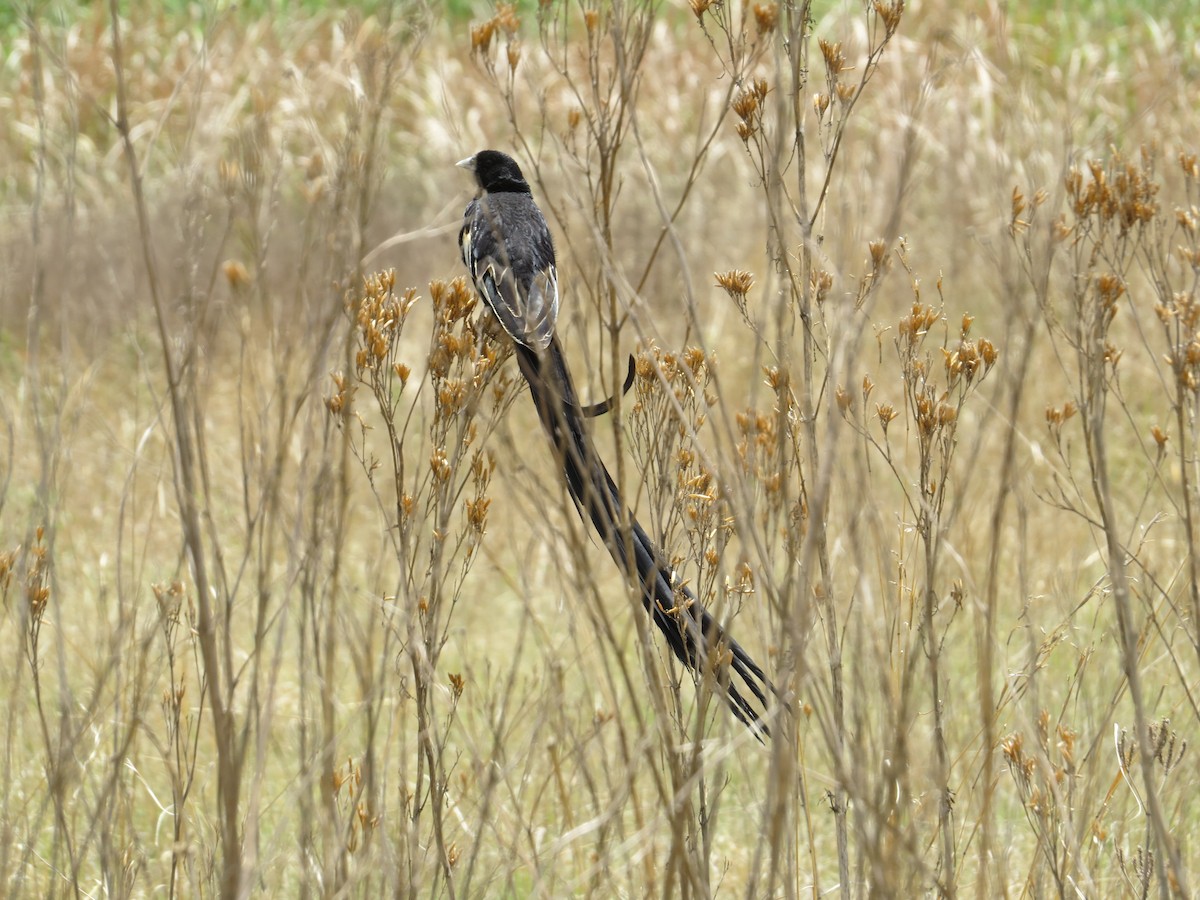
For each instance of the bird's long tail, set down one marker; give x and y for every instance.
(688, 627)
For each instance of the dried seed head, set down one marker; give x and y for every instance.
(338, 403)
(451, 397)
(236, 274)
(694, 359)
(506, 18)
(1122, 193)
(925, 415)
(700, 7)
(1061, 229)
(481, 37)
(886, 412)
(38, 596)
(1016, 224)
(452, 302)
(1057, 415)
(736, 282)
(1186, 219)
(1112, 354)
(988, 352)
(477, 512)
(822, 283)
(1110, 289)
(8, 562)
(777, 379)
(439, 465)
(766, 17)
(745, 105)
(1013, 748)
(890, 13)
(835, 60)
(915, 325)
(644, 366)
(668, 366)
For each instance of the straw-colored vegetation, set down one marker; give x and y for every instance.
(295, 602)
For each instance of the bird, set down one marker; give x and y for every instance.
(508, 250)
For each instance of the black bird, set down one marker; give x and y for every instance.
(508, 250)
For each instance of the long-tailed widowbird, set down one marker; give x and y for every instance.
(507, 247)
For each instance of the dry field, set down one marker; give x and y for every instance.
(296, 603)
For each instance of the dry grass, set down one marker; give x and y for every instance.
(296, 605)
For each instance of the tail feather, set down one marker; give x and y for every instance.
(690, 630)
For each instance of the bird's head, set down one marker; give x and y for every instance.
(495, 172)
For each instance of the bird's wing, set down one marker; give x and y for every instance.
(527, 311)
(516, 277)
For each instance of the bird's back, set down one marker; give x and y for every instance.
(506, 243)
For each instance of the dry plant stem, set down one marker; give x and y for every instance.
(819, 492)
(1108, 234)
(58, 776)
(434, 553)
(1112, 219)
(182, 751)
(48, 438)
(1171, 877)
(1154, 255)
(228, 760)
(815, 542)
(947, 880)
(322, 615)
(933, 481)
(695, 767)
(37, 287)
(427, 645)
(1184, 420)
(1017, 382)
(337, 860)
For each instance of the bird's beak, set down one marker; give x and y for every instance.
(468, 163)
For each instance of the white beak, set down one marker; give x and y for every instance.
(468, 163)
